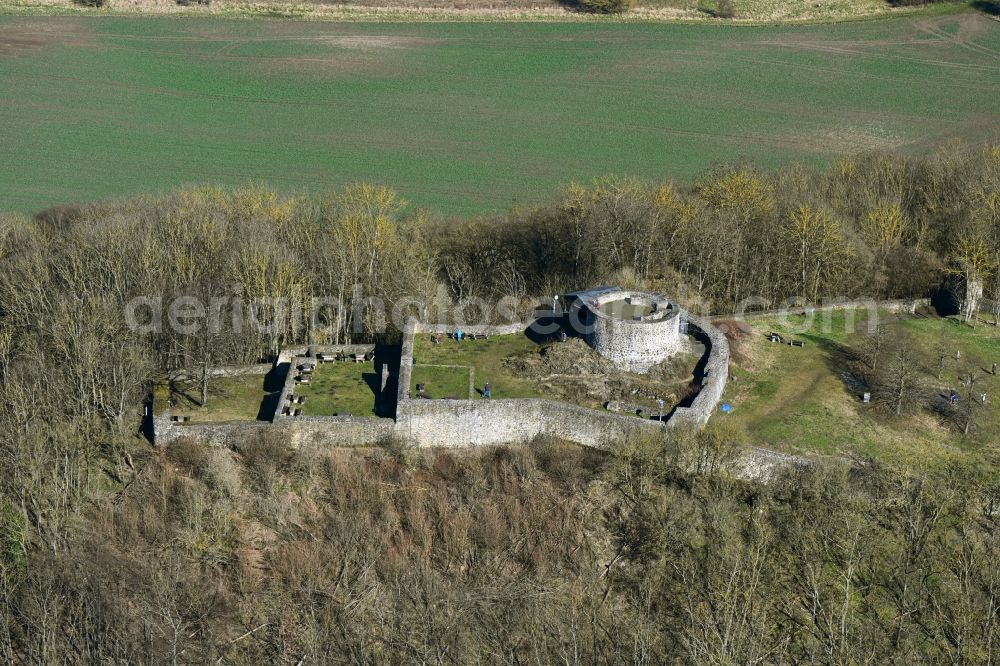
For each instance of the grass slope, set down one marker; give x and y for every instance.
(797, 400)
(467, 117)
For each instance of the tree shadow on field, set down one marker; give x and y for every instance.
(845, 362)
(990, 7)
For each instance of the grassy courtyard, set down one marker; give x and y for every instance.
(442, 381)
(340, 388)
(466, 117)
(242, 398)
(806, 399)
(486, 357)
(516, 367)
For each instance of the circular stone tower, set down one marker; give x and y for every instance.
(634, 329)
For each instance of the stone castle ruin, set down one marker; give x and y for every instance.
(634, 330)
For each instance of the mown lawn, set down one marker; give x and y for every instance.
(804, 399)
(441, 381)
(484, 356)
(465, 117)
(340, 388)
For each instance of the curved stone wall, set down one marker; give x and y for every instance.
(635, 345)
(714, 377)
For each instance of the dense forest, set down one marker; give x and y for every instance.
(547, 554)
(113, 552)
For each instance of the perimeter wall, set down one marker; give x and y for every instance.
(426, 422)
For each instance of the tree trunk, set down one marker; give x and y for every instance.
(204, 382)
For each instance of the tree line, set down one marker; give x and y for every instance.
(878, 225)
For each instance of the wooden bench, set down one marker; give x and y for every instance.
(797, 343)
(480, 336)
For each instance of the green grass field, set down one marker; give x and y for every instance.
(797, 399)
(485, 356)
(340, 388)
(465, 117)
(229, 399)
(756, 11)
(442, 381)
